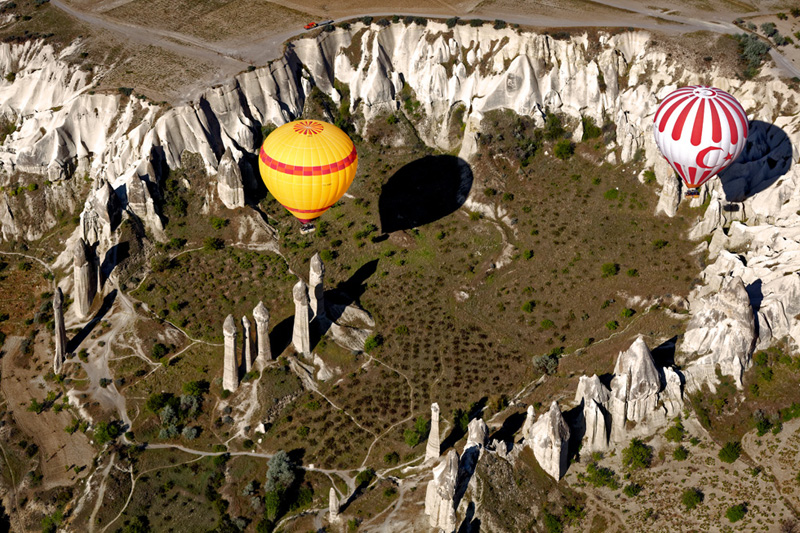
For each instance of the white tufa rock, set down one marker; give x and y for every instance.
(549, 442)
(316, 286)
(596, 420)
(230, 374)
(230, 187)
(85, 278)
(261, 316)
(432, 448)
(477, 433)
(722, 332)
(440, 494)
(301, 338)
(333, 507)
(246, 345)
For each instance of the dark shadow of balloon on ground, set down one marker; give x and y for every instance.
(766, 157)
(424, 191)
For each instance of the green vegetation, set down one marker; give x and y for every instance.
(752, 52)
(637, 456)
(598, 476)
(106, 432)
(730, 452)
(632, 490)
(691, 498)
(680, 453)
(736, 512)
(609, 269)
(564, 149)
(418, 433)
(676, 432)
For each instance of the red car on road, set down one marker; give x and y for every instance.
(310, 25)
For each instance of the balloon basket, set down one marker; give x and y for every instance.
(692, 193)
(307, 228)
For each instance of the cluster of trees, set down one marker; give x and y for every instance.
(175, 412)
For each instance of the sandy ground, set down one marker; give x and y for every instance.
(58, 450)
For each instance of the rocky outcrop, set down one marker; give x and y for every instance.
(433, 445)
(60, 332)
(246, 342)
(596, 420)
(549, 440)
(530, 420)
(440, 494)
(101, 215)
(477, 433)
(636, 381)
(84, 272)
(230, 186)
(301, 338)
(722, 331)
(316, 286)
(261, 316)
(333, 507)
(230, 371)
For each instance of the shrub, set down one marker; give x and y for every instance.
(730, 452)
(219, 223)
(659, 244)
(632, 489)
(451, 22)
(632, 272)
(612, 325)
(527, 254)
(476, 23)
(769, 29)
(553, 130)
(159, 350)
(528, 306)
(365, 477)
(280, 472)
(366, 20)
(488, 191)
(675, 433)
(547, 324)
(372, 342)
(691, 498)
(106, 431)
(638, 455)
(680, 453)
(564, 149)
(590, 129)
(552, 523)
(609, 269)
(391, 459)
(601, 477)
(649, 177)
(499, 24)
(752, 51)
(736, 512)
(127, 91)
(546, 364)
(611, 194)
(627, 313)
(213, 243)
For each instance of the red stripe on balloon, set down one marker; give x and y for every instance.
(670, 99)
(738, 110)
(716, 127)
(697, 129)
(663, 124)
(300, 170)
(705, 176)
(677, 130)
(731, 123)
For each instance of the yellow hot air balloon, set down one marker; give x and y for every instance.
(308, 165)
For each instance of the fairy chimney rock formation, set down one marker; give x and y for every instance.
(440, 494)
(550, 439)
(530, 419)
(477, 432)
(432, 449)
(248, 359)
(301, 339)
(637, 381)
(595, 397)
(230, 375)
(333, 507)
(60, 331)
(229, 181)
(261, 316)
(316, 279)
(85, 275)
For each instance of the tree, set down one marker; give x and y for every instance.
(140, 524)
(196, 388)
(638, 455)
(736, 512)
(280, 472)
(691, 498)
(730, 452)
(609, 269)
(106, 431)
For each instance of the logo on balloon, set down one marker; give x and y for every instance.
(701, 156)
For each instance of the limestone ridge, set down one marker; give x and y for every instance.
(549, 440)
(60, 332)
(230, 372)
(440, 494)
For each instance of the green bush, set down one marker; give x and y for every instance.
(476, 23)
(649, 177)
(365, 477)
(601, 477)
(609, 269)
(590, 129)
(564, 149)
(736, 512)
(632, 489)
(659, 244)
(675, 433)
(106, 431)
(499, 24)
(612, 325)
(611, 194)
(691, 498)
(638, 455)
(730, 452)
(627, 313)
(528, 306)
(451, 22)
(218, 223)
(373, 342)
(680, 453)
(552, 523)
(213, 243)
(547, 324)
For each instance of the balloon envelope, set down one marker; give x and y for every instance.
(307, 165)
(700, 130)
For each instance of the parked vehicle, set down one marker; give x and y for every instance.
(310, 25)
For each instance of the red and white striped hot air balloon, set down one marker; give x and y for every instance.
(700, 130)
